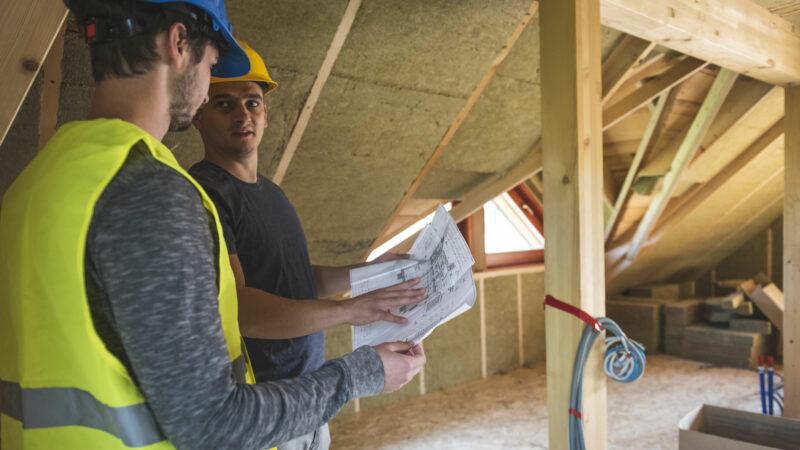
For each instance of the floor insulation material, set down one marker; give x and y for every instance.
(509, 411)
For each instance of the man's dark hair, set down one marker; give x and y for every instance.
(122, 33)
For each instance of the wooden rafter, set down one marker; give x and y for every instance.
(27, 30)
(760, 111)
(786, 9)
(650, 68)
(529, 205)
(656, 119)
(711, 105)
(622, 60)
(674, 215)
(650, 90)
(316, 89)
(383, 236)
(475, 199)
(739, 35)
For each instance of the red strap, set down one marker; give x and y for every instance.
(575, 413)
(91, 32)
(577, 312)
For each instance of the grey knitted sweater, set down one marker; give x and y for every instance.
(151, 281)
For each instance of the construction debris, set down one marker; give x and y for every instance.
(767, 297)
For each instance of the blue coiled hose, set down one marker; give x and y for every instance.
(624, 362)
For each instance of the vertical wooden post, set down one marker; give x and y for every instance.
(573, 185)
(791, 255)
(478, 242)
(482, 305)
(520, 333)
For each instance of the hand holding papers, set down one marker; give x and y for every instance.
(441, 259)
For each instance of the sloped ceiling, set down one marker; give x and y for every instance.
(405, 71)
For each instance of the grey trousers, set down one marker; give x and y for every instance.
(316, 440)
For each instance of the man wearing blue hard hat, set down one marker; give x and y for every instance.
(118, 314)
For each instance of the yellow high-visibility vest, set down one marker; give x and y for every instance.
(60, 388)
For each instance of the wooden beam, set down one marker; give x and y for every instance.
(622, 60)
(753, 115)
(478, 242)
(451, 131)
(573, 163)
(531, 165)
(653, 67)
(51, 88)
(711, 105)
(791, 256)
(786, 9)
(535, 185)
(655, 119)
(739, 35)
(650, 90)
(27, 30)
(529, 205)
(316, 90)
(673, 216)
(520, 333)
(482, 306)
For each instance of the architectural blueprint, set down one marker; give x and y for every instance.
(441, 259)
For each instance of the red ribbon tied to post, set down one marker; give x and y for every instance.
(549, 300)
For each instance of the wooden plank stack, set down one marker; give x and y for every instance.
(730, 330)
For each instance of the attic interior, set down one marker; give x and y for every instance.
(387, 109)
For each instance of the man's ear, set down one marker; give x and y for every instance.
(266, 115)
(178, 51)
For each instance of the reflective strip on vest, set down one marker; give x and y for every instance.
(134, 425)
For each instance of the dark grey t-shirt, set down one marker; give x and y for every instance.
(152, 287)
(262, 228)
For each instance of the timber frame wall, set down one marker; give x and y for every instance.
(504, 331)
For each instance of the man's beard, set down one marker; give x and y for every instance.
(182, 91)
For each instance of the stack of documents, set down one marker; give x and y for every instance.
(441, 259)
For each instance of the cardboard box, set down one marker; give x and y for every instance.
(713, 427)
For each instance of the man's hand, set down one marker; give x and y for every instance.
(374, 306)
(401, 361)
(389, 256)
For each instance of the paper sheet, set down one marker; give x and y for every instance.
(441, 259)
